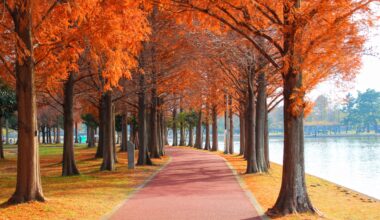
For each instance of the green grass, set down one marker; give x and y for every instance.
(87, 196)
(45, 149)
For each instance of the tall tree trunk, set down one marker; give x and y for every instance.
(166, 134)
(293, 197)
(69, 167)
(260, 124)
(6, 131)
(191, 136)
(182, 132)
(242, 133)
(144, 158)
(124, 134)
(39, 136)
(99, 150)
(266, 135)
(198, 135)
(76, 133)
(175, 138)
(161, 133)
(214, 129)
(114, 154)
(49, 135)
(91, 137)
(54, 134)
(208, 141)
(135, 135)
(87, 133)
(148, 132)
(43, 134)
(28, 185)
(250, 132)
(1, 138)
(153, 143)
(108, 148)
(226, 127)
(231, 115)
(58, 140)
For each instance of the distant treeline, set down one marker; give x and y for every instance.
(357, 115)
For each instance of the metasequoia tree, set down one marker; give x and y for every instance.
(27, 21)
(300, 34)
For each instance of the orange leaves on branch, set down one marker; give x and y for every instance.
(298, 103)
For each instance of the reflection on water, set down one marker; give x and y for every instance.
(351, 162)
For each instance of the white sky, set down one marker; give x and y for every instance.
(369, 76)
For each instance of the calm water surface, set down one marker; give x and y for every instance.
(351, 162)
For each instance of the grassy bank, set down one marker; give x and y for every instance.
(335, 202)
(88, 196)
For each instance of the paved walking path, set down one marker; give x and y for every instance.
(194, 185)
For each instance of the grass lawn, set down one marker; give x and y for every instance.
(87, 196)
(335, 202)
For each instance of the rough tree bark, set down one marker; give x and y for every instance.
(76, 133)
(293, 197)
(91, 137)
(182, 132)
(99, 150)
(260, 123)
(231, 115)
(54, 135)
(250, 123)
(1, 138)
(28, 186)
(108, 149)
(124, 134)
(198, 135)
(69, 167)
(47, 135)
(39, 136)
(43, 134)
(161, 127)
(191, 136)
(153, 142)
(144, 158)
(161, 133)
(242, 133)
(214, 129)
(113, 132)
(6, 131)
(175, 138)
(266, 135)
(207, 141)
(226, 127)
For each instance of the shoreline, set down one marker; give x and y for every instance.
(337, 184)
(278, 136)
(333, 200)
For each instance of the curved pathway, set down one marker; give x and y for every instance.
(194, 185)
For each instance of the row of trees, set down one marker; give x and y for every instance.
(362, 113)
(148, 61)
(355, 115)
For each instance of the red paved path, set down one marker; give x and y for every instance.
(194, 185)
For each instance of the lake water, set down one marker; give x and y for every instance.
(351, 161)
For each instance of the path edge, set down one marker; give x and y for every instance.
(248, 193)
(135, 191)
